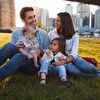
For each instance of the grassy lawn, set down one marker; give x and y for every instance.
(26, 87)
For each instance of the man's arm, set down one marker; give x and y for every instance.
(16, 34)
(44, 39)
(13, 38)
(46, 42)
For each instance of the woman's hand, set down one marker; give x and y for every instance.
(58, 63)
(61, 58)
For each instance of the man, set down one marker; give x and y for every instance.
(18, 60)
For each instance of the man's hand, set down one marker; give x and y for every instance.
(20, 45)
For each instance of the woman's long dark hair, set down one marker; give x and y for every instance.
(67, 30)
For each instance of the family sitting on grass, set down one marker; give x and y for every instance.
(29, 45)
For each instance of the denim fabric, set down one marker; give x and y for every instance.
(82, 68)
(45, 65)
(17, 60)
(7, 51)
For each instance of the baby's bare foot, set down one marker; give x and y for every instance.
(36, 65)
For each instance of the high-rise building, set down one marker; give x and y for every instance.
(83, 10)
(74, 19)
(44, 17)
(69, 9)
(49, 24)
(79, 22)
(7, 14)
(41, 16)
(97, 19)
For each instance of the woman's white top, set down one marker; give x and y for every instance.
(71, 44)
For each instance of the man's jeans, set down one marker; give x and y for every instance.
(16, 61)
(45, 66)
(82, 68)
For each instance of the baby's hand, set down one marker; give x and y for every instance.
(30, 56)
(48, 53)
(31, 47)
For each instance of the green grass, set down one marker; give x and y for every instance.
(26, 87)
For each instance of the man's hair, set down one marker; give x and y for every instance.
(61, 43)
(24, 10)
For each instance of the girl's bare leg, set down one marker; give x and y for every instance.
(35, 59)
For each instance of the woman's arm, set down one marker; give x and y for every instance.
(64, 61)
(74, 48)
(72, 55)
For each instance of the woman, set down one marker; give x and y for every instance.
(75, 65)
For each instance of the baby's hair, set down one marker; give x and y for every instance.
(26, 27)
(61, 43)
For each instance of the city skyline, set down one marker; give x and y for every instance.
(52, 6)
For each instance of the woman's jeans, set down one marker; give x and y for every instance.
(82, 68)
(45, 66)
(16, 61)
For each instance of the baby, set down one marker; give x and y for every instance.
(30, 42)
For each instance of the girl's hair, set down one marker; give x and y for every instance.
(61, 44)
(67, 25)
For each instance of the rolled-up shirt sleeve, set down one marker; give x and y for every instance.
(13, 38)
(75, 45)
(72, 46)
(16, 35)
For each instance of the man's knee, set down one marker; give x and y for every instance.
(19, 57)
(9, 44)
(9, 47)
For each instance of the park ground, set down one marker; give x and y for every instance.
(26, 87)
